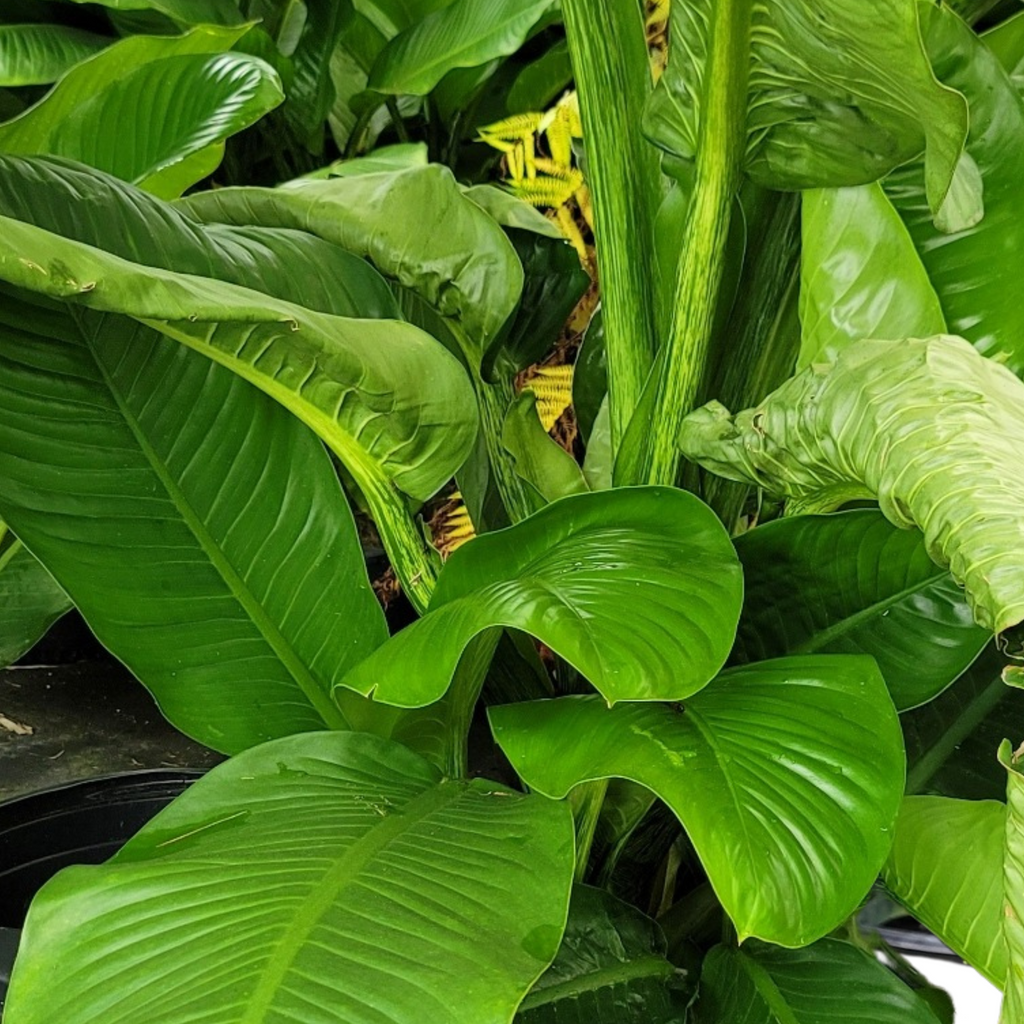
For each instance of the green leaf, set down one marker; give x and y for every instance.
(787, 776)
(358, 383)
(610, 969)
(839, 95)
(861, 276)
(512, 212)
(564, 575)
(320, 877)
(946, 868)
(977, 302)
(599, 461)
(31, 600)
(929, 427)
(399, 157)
(458, 260)
(854, 584)
(831, 982)
(464, 34)
(393, 16)
(40, 54)
(1013, 886)
(590, 375)
(152, 110)
(1006, 43)
(540, 83)
(543, 463)
(186, 12)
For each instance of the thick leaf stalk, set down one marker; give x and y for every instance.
(720, 148)
(929, 427)
(612, 72)
(1013, 887)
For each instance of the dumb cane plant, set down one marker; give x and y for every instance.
(772, 652)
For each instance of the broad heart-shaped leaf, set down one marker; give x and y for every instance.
(385, 396)
(464, 34)
(840, 93)
(31, 600)
(977, 292)
(1013, 886)
(457, 260)
(638, 588)
(323, 877)
(152, 110)
(787, 775)
(861, 276)
(852, 583)
(929, 427)
(830, 982)
(610, 969)
(199, 527)
(946, 868)
(40, 54)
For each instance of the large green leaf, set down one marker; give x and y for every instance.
(566, 575)
(181, 96)
(458, 259)
(31, 600)
(186, 12)
(392, 16)
(326, 877)
(787, 776)
(386, 397)
(975, 288)
(861, 276)
(929, 427)
(854, 584)
(839, 94)
(946, 868)
(831, 982)
(610, 969)
(464, 34)
(40, 54)
(1013, 886)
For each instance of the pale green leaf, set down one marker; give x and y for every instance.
(40, 54)
(512, 212)
(1013, 886)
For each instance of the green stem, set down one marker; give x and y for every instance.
(720, 146)
(610, 62)
(460, 701)
(396, 118)
(587, 799)
(494, 401)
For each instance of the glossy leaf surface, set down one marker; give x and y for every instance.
(830, 982)
(320, 877)
(861, 276)
(564, 575)
(787, 776)
(464, 34)
(838, 95)
(946, 868)
(929, 427)
(978, 294)
(31, 600)
(610, 969)
(853, 584)
(182, 95)
(40, 54)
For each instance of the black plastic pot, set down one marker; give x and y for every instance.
(82, 823)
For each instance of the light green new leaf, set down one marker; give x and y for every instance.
(565, 575)
(185, 12)
(610, 969)
(946, 868)
(31, 600)
(977, 292)
(464, 34)
(840, 93)
(861, 276)
(544, 464)
(854, 584)
(1013, 886)
(457, 259)
(830, 982)
(327, 877)
(40, 54)
(787, 776)
(930, 428)
(386, 397)
(180, 98)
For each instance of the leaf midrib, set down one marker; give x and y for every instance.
(350, 864)
(321, 702)
(639, 969)
(767, 990)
